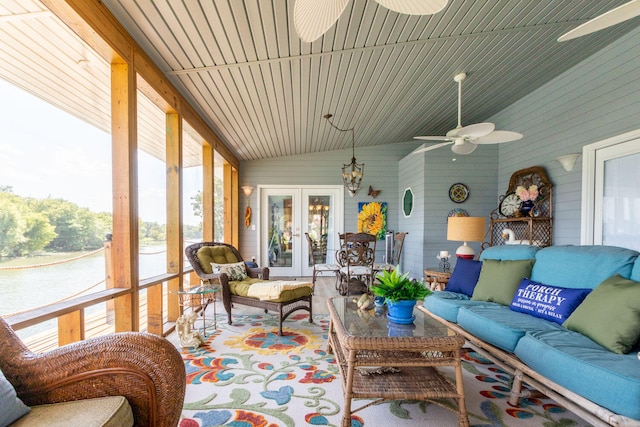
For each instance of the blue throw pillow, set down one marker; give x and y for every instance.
(11, 407)
(464, 277)
(552, 303)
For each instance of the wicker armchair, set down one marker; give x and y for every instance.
(283, 306)
(146, 369)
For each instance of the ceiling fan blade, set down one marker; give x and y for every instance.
(432, 138)
(431, 147)
(614, 16)
(477, 130)
(498, 137)
(312, 18)
(464, 148)
(413, 7)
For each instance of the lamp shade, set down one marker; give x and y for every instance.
(465, 229)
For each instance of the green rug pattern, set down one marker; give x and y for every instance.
(246, 375)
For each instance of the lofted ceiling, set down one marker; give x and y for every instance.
(388, 75)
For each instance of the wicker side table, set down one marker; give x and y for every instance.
(436, 278)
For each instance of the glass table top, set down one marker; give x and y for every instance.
(374, 322)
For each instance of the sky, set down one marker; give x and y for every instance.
(46, 152)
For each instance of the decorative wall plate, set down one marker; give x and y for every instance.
(458, 192)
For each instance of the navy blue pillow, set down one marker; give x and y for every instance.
(552, 303)
(464, 277)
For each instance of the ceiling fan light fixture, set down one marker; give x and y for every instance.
(412, 7)
(465, 148)
(313, 18)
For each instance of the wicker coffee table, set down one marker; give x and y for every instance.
(365, 345)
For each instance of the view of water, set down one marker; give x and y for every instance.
(27, 288)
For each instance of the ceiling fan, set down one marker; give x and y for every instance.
(312, 18)
(466, 139)
(614, 16)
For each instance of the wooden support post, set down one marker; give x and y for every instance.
(71, 328)
(174, 216)
(235, 211)
(208, 185)
(125, 195)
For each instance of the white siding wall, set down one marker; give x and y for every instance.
(594, 100)
(435, 173)
(597, 99)
(381, 171)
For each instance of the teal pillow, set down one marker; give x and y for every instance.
(11, 407)
(610, 314)
(499, 280)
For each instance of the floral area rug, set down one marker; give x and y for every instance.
(246, 375)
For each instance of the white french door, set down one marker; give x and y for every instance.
(286, 213)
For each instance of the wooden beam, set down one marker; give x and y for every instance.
(124, 247)
(227, 202)
(208, 185)
(174, 218)
(235, 211)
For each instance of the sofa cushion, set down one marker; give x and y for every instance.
(218, 254)
(499, 280)
(551, 303)
(500, 326)
(610, 315)
(581, 266)
(235, 270)
(11, 406)
(509, 252)
(464, 276)
(241, 288)
(446, 304)
(112, 411)
(579, 364)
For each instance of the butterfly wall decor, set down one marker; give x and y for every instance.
(373, 193)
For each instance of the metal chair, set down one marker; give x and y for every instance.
(356, 257)
(398, 243)
(320, 268)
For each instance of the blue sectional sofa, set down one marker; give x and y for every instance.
(586, 357)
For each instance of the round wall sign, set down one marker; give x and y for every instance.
(458, 192)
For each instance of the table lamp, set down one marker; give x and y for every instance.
(465, 229)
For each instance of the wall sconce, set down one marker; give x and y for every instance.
(248, 191)
(568, 161)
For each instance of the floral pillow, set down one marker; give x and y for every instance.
(235, 271)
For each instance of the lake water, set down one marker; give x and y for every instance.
(27, 288)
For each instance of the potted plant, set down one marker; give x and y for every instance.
(401, 293)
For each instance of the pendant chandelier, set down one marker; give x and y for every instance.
(352, 173)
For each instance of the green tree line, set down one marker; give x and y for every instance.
(29, 225)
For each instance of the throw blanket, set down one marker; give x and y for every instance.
(273, 288)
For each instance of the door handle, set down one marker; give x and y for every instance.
(296, 235)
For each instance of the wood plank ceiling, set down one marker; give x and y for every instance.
(388, 75)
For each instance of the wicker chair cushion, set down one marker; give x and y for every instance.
(241, 288)
(112, 411)
(216, 254)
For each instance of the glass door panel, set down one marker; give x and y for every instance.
(279, 232)
(286, 214)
